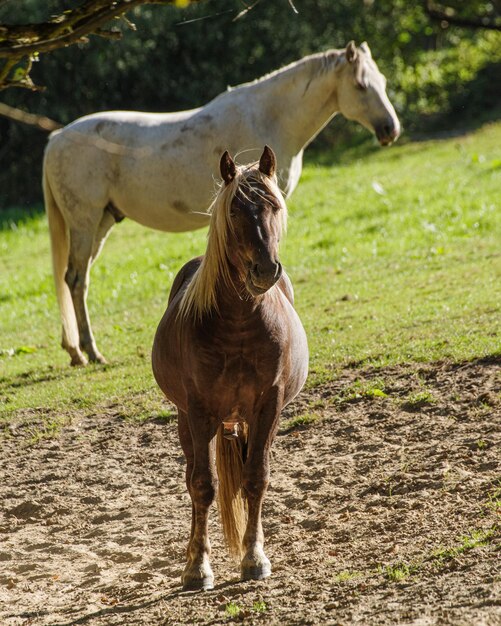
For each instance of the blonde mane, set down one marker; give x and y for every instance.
(200, 295)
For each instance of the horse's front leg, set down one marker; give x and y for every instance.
(197, 573)
(184, 433)
(255, 564)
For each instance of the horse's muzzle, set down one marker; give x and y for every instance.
(388, 132)
(259, 281)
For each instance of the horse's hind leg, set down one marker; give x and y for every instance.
(82, 247)
(197, 573)
(255, 564)
(107, 222)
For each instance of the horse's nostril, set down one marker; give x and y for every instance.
(387, 129)
(269, 271)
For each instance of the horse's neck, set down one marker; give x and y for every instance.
(218, 291)
(233, 301)
(301, 99)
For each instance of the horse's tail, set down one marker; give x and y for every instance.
(230, 458)
(60, 246)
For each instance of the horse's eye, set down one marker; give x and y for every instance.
(274, 206)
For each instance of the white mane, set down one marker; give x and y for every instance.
(317, 64)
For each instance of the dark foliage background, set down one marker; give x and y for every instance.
(438, 77)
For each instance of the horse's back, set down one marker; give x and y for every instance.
(96, 122)
(183, 278)
(114, 133)
(179, 286)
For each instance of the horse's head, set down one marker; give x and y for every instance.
(256, 216)
(362, 94)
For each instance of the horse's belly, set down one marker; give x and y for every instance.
(161, 210)
(297, 357)
(241, 379)
(298, 367)
(167, 218)
(164, 194)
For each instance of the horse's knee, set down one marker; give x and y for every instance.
(255, 486)
(203, 490)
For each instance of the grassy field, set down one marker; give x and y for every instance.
(395, 256)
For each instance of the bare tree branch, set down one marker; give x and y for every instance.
(447, 14)
(19, 42)
(40, 121)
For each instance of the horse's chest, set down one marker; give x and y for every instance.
(238, 360)
(237, 368)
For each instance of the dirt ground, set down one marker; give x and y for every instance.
(382, 511)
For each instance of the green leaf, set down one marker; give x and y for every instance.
(378, 393)
(25, 350)
(19, 74)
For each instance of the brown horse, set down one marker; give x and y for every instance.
(230, 352)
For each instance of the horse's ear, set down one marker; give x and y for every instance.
(227, 167)
(351, 51)
(268, 162)
(365, 47)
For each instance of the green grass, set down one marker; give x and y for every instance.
(304, 419)
(417, 400)
(260, 606)
(347, 576)
(232, 609)
(494, 498)
(436, 559)
(397, 573)
(394, 254)
(363, 389)
(474, 539)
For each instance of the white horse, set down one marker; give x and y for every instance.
(107, 166)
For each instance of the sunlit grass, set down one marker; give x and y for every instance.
(395, 256)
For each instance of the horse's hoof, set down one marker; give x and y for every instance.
(256, 572)
(198, 584)
(97, 358)
(78, 360)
